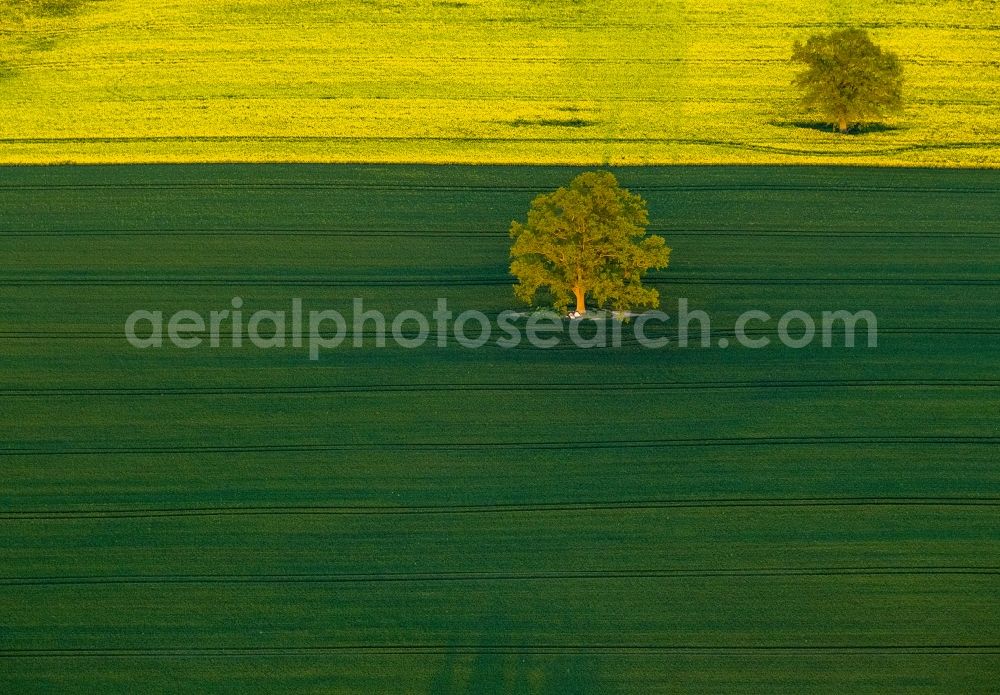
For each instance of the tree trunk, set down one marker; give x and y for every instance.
(581, 305)
(842, 124)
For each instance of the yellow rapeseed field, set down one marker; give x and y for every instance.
(519, 81)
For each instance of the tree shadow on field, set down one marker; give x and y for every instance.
(54, 8)
(552, 122)
(32, 26)
(824, 127)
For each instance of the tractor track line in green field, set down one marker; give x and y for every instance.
(362, 233)
(466, 281)
(626, 339)
(945, 440)
(449, 387)
(451, 649)
(456, 188)
(502, 508)
(430, 577)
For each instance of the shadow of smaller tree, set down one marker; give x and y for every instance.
(825, 127)
(31, 26)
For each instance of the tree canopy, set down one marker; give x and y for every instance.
(848, 78)
(587, 239)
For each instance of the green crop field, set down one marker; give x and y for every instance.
(479, 81)
(450, 520)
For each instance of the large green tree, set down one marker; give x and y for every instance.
(587, 239)
(848, 78)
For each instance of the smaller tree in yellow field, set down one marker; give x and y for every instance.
(587, 240)
(848, 78)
